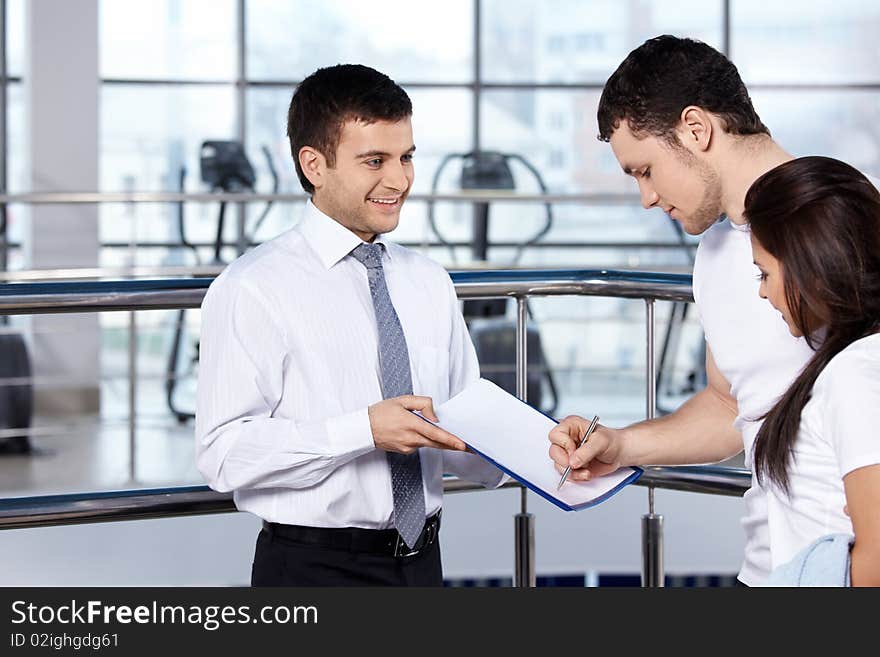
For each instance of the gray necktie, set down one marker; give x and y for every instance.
(406, 469)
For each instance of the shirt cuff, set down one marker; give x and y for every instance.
(351, 433)
(472, 467)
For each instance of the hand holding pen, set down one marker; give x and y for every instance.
(582, 443)
(584, 454)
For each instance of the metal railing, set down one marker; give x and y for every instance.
(167, 294)
(65, 198)
(131, 295)
(155, 503)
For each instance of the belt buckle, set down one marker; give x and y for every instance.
(400, 548)
(428, 535)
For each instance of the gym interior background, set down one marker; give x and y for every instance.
(120, 96)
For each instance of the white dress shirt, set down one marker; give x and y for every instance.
(289, 364)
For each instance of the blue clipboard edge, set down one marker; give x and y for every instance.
(637, 472)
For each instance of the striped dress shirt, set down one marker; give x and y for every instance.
(289, 364)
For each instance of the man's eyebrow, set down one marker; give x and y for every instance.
(377, 153)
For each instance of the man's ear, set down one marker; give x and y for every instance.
(695, 129)
(313, 165)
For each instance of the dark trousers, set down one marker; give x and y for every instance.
(281, 562)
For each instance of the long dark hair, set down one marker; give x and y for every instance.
(820, 218)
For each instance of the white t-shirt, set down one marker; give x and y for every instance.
(755, 352)
(838, 434)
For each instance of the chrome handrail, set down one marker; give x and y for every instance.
(166, 294)
(153, 503)
(64, 198)
(711, 479)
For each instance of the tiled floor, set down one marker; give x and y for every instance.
(93, 452)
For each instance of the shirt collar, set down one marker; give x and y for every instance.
(742, 228)
(328, 238)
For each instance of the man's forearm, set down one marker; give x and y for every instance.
(700, 431)
(272, 452)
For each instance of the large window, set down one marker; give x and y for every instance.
(168, 40)
(518, 76)
(809, 42)
(424, 42)
(575, 42)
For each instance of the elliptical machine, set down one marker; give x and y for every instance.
(16, 392)
(224, 167)
(493, 334)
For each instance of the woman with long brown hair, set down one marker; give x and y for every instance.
(815, 228)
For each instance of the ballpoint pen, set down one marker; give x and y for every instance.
(583, 441)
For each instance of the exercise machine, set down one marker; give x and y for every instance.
(16, 388)
(493, 334)
(224, 167)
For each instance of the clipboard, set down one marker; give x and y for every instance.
(512, 435)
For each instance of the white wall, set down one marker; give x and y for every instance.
(61, 84)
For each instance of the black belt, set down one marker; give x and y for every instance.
(356, 539)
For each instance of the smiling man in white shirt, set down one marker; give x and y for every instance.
(317, 345)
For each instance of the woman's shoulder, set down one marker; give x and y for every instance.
(855, 368)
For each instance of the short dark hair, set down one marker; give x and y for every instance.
(329, 97)
(820, 218)
(664, 75)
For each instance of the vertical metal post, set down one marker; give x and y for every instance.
(725, 28)
(652, 524)
(652, 551)
(478, 73)
(524, 521)
(479, 211)
(132, 343)
(241, 241)
(132, 395)
(651, 391)
(4, 155)
(132, 339)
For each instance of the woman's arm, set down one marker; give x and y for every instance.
(862, 487)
